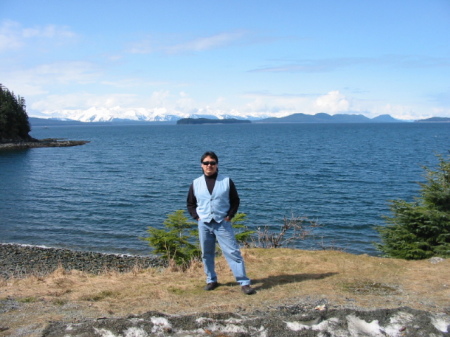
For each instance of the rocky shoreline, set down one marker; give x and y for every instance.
(50, 142)
(21, 260)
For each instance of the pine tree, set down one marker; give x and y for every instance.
(14, 124)
(421, 229)
(242, 233)
(178, 242)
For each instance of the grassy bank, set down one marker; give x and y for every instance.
(280, 276)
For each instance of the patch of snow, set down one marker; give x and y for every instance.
(135, 332)
(296, 326)
(397, 323)
(160, 324)
(104, 333)
(441, 322)
(202, 320)
(359, 327)
(233, 320)
(226, 328)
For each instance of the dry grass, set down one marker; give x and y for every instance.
(281, 277)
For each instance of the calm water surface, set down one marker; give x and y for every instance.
(102, 196)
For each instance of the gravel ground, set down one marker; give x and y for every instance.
(21, 260)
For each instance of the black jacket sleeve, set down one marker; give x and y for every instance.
(234, 200)
(192, 203)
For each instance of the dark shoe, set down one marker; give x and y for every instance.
(211, 286)
(247, 290)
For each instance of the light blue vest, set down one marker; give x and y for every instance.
(213, 206)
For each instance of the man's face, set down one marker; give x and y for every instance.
(209, 169)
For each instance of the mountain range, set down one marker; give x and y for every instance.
(294, 118)
(172, 119)
(326, 118)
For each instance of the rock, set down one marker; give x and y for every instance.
(298, 321)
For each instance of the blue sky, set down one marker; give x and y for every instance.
(249, 58)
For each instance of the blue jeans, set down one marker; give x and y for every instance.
(224, 233)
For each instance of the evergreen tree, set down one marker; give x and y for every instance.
(242, 233)
(175, 241)
(14, 124)
(421, 229)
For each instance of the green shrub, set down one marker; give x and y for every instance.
(420, 229)
(178, 242)
(242, 233)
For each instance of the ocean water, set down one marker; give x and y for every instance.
(102, 196)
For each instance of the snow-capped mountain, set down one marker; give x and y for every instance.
(107, 115)
(96, 114)
(116, 114)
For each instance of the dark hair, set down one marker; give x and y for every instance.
(210, 154)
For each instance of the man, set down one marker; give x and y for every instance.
(213, 201)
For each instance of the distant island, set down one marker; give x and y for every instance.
(212, 121)
(435, 120)
(49, 142)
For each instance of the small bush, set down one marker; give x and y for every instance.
(178, 242)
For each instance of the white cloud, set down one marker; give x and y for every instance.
(49, 77)
(142, 47)
(82, 101)
(339, 63)
(185, 102)
(333, 102)
(48, 32)
(282, 105)
(205, 43)
(276, 106)
(67, 72)
(13, 36)
(88, 107)
(128, 83)
(150, 45)
(10, 37)
(405, 112)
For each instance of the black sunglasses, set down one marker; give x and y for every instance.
(206, 163)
